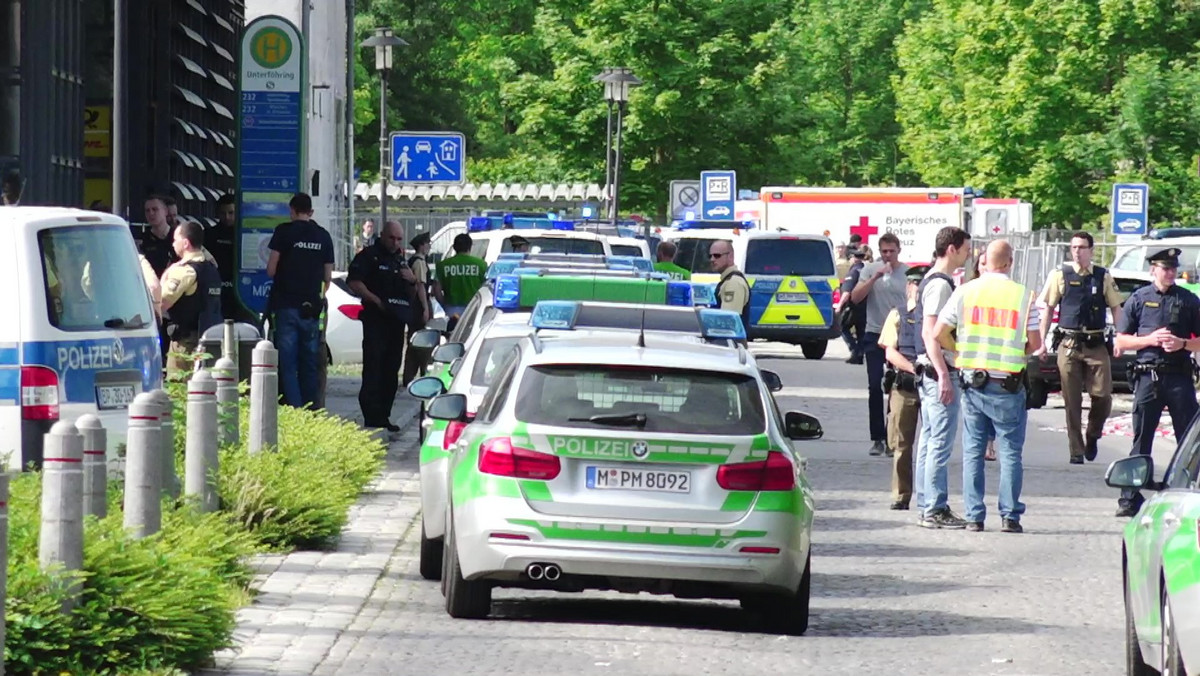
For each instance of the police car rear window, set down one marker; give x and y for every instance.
(673, 400)
(569, 245)
(604, 317)
(626, 250)
(93, 279)
(798, 257)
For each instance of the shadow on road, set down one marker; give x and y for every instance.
(880, 550)
(827, 585)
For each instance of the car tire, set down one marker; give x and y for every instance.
(431, 556)
(1134, 664)
(1172, 661)
(1036, 394)
(814, 349)
(787, 615)
(465, 599)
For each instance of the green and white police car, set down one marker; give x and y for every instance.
(1161, 560)
(630, 461)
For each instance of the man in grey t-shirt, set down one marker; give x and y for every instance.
(881, 285)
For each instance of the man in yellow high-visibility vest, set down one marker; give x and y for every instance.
(997, 327)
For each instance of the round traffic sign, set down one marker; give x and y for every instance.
(689, 196)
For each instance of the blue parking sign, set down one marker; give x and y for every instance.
(1130, 209)
(718, 191)
(428, 157)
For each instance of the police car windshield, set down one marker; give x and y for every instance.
(491, 357)
(673, 400)
(626, 250)
(788, 257)
(93, 279)
(568, 245)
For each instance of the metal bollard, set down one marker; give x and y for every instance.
(170, 480)
(264, 397)
(143, 475)
(228, 422)
(229, 345)
(60, 540)
(3, 556)
(200, 459)
(95, 469)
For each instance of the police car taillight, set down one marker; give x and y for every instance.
(39, 393)
(837, 296)
(500, 457)
(773, 474)
(454, 430)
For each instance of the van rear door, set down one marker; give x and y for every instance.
(791, 282)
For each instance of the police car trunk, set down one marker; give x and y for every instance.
(79, 334)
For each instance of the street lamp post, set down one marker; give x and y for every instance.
(605, 77)
(617, 84)
(383, 41)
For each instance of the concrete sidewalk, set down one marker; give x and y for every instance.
(307, 599)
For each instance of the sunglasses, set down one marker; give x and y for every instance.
(716, 255)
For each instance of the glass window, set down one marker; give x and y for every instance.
(93, 279)
(627, 250)
(692, 253)
(567, 245)
(673, 400)
(789, 257)
(479, 248)
(1133, 260)
(462, 331)
(491, 357)
(1182, 472)
(1127, 286)
(493, 401)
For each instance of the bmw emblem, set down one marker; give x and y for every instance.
(640, 449)
(792, 284)
(118, 351)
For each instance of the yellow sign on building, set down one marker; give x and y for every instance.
(97, 131)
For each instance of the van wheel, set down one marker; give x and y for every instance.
(431, 556)
(814, 349)
(465, 599)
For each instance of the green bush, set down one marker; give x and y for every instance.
(298, 495)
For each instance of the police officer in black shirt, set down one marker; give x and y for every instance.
(219, 241)
(388, 288)
(158, 238)
(1162, 323)
(301, 265)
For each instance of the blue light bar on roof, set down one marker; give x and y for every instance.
(509, 221)
(704, 295)
(721, 324)
(507, 293)
(554, 314)
(636, 262)
(679, 293)
(714, 225)
(502, 267)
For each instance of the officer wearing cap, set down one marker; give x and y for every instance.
(900, 338)
(1161, 323)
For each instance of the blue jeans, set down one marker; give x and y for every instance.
(299, 343)
(993, 408)
(939, 426)
(874, 356)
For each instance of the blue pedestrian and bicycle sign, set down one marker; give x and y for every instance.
(1130, 209)
(718, 191)
(428, 157)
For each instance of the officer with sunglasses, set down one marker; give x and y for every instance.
(733, 291)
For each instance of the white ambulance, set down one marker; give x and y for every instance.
(914, 215)
(79, 333)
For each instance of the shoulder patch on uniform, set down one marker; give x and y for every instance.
(728, 295)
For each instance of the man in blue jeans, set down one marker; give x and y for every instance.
(997, 327)
(882, 286)
(301, 265)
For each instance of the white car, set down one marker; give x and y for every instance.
(718, 211)
(629, 246)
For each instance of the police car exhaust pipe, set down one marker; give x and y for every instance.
(535, 571)
(551, 572)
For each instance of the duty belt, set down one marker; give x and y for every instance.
(1085, 338)
(928, 371)
(979, 378)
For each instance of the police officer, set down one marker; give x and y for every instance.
(460, 276)
(900, 338)
(219, 241)
(1162, 324)
(997, 326)
(665, 253)
(733, 291)
(387, 286)
(191, 297)
(414, 362)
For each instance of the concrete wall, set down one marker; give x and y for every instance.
(324, 105)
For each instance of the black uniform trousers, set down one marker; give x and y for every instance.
(383, 352)
(1173, 391)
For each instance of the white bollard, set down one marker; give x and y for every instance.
(95, 474)
(170, 480)
(264, 397)
(143, 475)
(60, 541)
(229, 345)
(200, 459)
(3, 556)
(228, 415)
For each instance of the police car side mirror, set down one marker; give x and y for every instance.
(426, 339)
(772, 380)
(452, 407)
(447, 353)
(1136, 471)
(802, 426)
(426, 388)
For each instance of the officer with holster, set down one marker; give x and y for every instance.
(1161, 322)
(191, 296)
(997, 327)
(1082, 292)
(387, 286)
(900, 336)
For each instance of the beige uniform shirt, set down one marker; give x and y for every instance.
(179, 279)
(1056, 285)
(735, 293)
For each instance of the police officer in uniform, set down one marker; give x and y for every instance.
(733, 291)
(387, 286)
(414, 362)
(191, 297)
(1162, 324)
(220, 242)
(1081, 291)
(900, 338)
